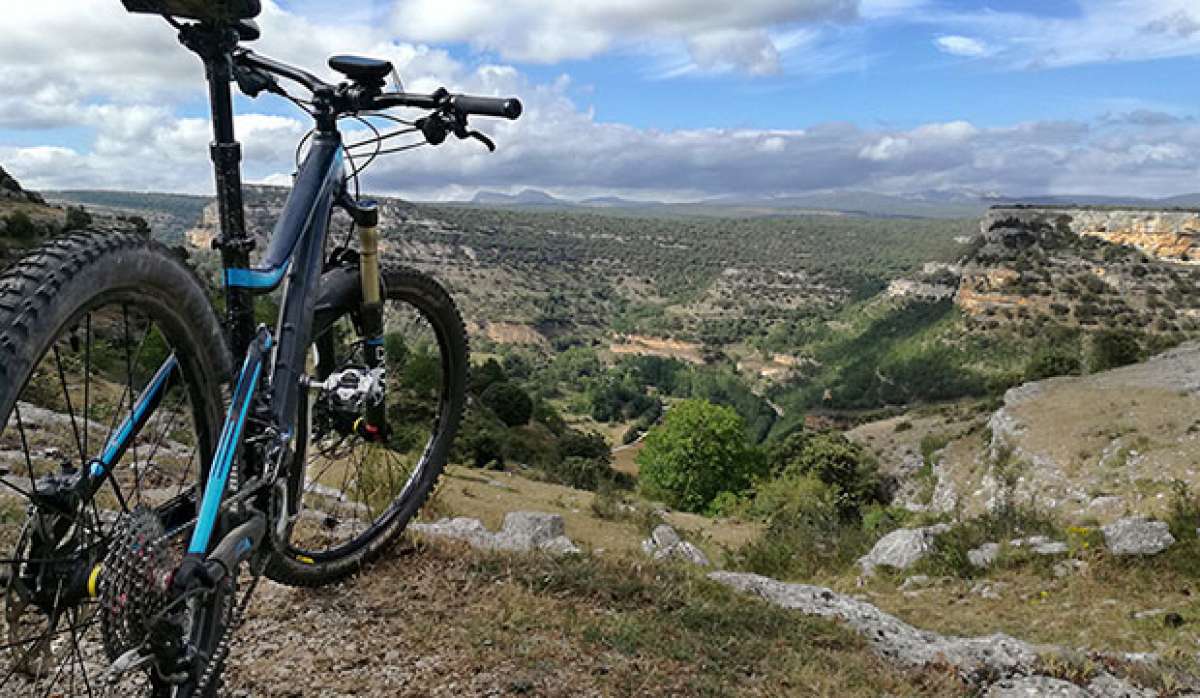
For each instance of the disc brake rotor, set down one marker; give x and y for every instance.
(39, 596)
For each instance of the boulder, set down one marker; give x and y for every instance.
(984, 555)
(1137, 536)
(902, 548)
(664, 543)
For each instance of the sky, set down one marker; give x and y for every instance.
(649, 99)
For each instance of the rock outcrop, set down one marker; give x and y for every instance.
(522, 531)
(1095, 447)
(11, 189)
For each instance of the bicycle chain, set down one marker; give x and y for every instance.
(233, 621)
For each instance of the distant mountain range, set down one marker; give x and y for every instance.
(937, 204)
(184, 210)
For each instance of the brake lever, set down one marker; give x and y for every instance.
(491, 146)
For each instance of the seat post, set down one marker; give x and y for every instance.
(214, 45)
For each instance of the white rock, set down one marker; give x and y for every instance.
(916, 581)
(1106, 685)
(664, 536)
(889, 636)
(984, 555)
(1035, 687)
(522, 531)
(665, 544)
(989, 590)
(1137, 535)
(901, 549)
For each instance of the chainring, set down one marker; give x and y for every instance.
(134, 581)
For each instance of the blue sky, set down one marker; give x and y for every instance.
(676, 99)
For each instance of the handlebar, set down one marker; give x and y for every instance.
(250, 59)
(488, 106)
(357, 98)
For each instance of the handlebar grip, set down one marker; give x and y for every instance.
(488, 106)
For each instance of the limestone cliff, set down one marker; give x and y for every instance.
(1089, 267)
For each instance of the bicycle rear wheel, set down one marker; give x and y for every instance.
(356, 496)
(86, 323)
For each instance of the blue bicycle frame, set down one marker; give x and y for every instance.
(295, 253)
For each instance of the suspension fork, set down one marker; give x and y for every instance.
(366, 215)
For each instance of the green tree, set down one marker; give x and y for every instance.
(486, 375)
(699, 451)
(422, 370)
(511, 404)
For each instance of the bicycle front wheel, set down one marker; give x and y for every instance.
(356, 495)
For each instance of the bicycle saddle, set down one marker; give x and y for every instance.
(203, 10)
(367, 71)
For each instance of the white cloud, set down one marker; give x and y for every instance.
(1103, 31)
(961, 46)
(750, 51)
(141, 140)
(548, 31)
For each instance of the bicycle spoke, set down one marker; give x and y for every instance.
(62, 377)
(78, 655)
(87, 380)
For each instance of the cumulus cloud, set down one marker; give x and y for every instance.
(961, 46)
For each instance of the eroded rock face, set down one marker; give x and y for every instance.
(1137, 536)
(522, 531)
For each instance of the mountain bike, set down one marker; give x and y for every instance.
(147, 479)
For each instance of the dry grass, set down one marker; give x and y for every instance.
(488, 496)
(443, 620)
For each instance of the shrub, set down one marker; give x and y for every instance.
(21, 227)
(395, 351)
(1053, 360)
(77, 219)
(1112, 349)
(834, 460)
(585, 473)
(698, 452)
(511, 404)
(805, 533)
